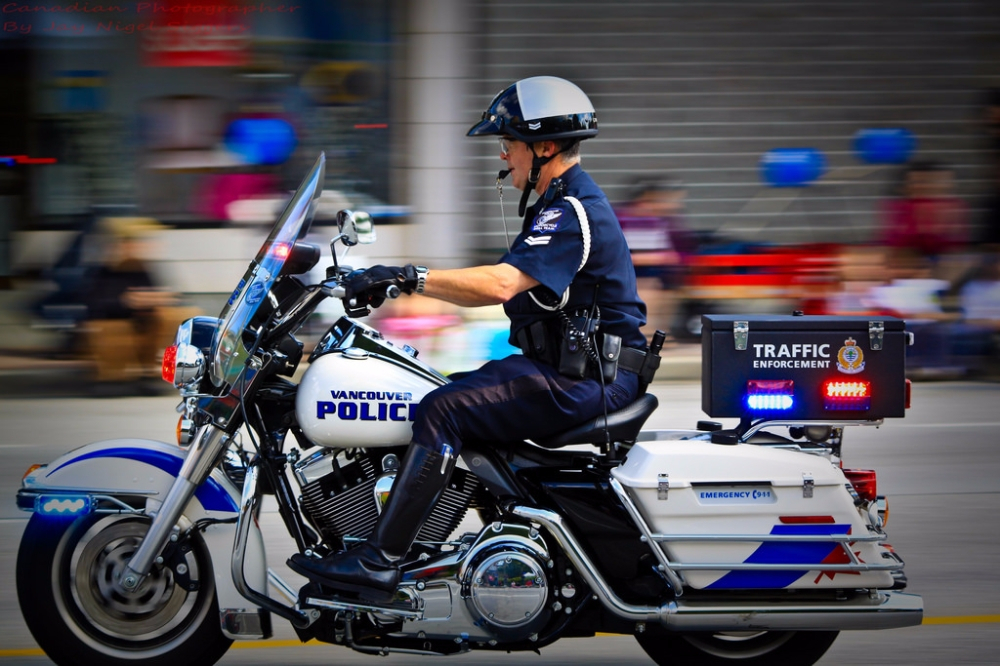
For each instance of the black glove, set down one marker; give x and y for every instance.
(376, 280)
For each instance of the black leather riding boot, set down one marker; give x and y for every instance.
(372, 565)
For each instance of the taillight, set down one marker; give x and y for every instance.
(169, 368)
(864, 482)
(909, 392)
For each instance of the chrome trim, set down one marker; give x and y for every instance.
(386, 651)
(742, 566)
(204, 451)
(189, 366)
(382, 489)
(248, 504)
(241, 623)
(886, 610)
(880, 610)
(760, 425)
(583, 565)
(840, 538)
(314, 467)
(283, 588)
(497, 591)
(332, 604)
(633, 511)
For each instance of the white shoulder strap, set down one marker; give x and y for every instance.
(581, 214)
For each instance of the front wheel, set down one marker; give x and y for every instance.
(737, 648)
(66, 573)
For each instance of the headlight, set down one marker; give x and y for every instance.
(184, 361)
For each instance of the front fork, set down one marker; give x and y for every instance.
(206, 447)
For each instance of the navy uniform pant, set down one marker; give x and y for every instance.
(512, 399)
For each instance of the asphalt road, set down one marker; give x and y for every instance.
(940, 468)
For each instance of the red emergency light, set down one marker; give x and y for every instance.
(169, 367)
(854, 395)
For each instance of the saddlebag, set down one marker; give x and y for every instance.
(752, 517)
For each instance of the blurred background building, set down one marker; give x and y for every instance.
(790, 124)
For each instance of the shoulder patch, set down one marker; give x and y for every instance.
(547, 221)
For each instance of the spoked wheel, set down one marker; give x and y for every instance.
(737, 648)
(66, 585)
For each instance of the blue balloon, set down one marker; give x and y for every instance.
(792, 167)
(261, 140)
(884, 146)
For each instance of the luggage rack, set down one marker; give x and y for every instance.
(670, 569)
(832, 440)
(747, 429)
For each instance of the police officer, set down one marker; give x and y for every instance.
(568, 268)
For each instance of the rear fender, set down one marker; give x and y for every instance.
(141, 472)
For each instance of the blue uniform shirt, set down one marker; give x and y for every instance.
(550, 247)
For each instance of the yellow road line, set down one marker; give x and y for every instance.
(246, 645)
(963, 619)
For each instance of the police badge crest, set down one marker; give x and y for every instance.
(850, 358)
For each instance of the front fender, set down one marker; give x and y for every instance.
(141, 472)
(133, 467)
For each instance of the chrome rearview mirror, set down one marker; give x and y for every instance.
(356, 227)
(365, 226)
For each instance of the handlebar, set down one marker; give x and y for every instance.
(355, 306)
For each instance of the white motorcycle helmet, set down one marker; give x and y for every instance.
(541, 108)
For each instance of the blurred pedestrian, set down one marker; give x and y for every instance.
(657, 236)
(927, 217)
(127, 312)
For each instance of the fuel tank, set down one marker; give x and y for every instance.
(360, 390)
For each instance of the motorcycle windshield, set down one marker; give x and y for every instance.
(229, 352)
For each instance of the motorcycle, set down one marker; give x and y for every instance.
(713, 544)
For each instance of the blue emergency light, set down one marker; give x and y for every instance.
(62, 505)
(770, 395)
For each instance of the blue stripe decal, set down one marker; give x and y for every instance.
(211, 494)
(785, 552)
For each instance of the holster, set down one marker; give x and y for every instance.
(538, 344)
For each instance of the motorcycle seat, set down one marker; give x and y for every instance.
(623, 426)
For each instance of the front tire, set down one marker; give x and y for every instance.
(736, 648)
(65, 585)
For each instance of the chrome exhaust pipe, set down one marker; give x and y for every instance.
(878, 610)
(882, 610)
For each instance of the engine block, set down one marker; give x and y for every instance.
(340, 498)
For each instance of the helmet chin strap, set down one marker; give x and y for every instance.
(537, 162)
